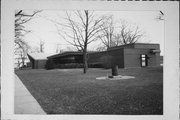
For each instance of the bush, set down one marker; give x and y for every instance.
(95, 65)
(50, 65)
(69, 65)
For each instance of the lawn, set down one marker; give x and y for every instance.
(69, 91)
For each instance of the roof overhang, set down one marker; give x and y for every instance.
(37, 56)
(65, 54)
(155, 51)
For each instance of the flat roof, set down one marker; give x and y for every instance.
(137, 45)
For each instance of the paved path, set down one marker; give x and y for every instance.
(24, 102)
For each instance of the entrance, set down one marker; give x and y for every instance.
(144, 60)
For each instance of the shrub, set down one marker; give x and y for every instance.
(95, 65)
(69, 65)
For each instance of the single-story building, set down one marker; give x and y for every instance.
(37, 60)
(125, 56)
(131, 55)
(65, 59)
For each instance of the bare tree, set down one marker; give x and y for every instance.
(107, 34)
(128, 35)
(82, 31)
(101, 48)
(70, 48)
(121, 35)
(41, 44)
(21, 58)
(21, 18)
(59, 48)
(35, 49)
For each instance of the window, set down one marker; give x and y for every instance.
(144, 60)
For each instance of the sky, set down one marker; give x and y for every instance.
(43, 29)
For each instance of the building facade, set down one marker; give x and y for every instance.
(135, 55)
(125, 56)
(37, 60)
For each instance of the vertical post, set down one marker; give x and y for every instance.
(115, 70)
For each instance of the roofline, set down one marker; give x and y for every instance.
(66, 53)
(34, 58)
(112, 48)
(123, 46)
(97, 52)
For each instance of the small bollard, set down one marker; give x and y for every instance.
(115, 70)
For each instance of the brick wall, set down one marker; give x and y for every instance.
(132, 57)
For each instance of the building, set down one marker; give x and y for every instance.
(70, 59)
(67, 57)
(125, 56)
(37, 60)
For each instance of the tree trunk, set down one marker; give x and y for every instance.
(85, 62)
(85, 44)
(23, 63)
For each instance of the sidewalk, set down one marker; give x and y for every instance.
(24, 102)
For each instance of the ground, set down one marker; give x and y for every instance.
(69, 91)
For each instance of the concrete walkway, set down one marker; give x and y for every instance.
(24, 102)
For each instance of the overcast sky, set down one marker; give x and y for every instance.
(45, 30)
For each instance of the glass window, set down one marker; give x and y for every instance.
(143, 55)
(143, 60)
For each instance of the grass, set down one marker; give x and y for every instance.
(69, 91)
